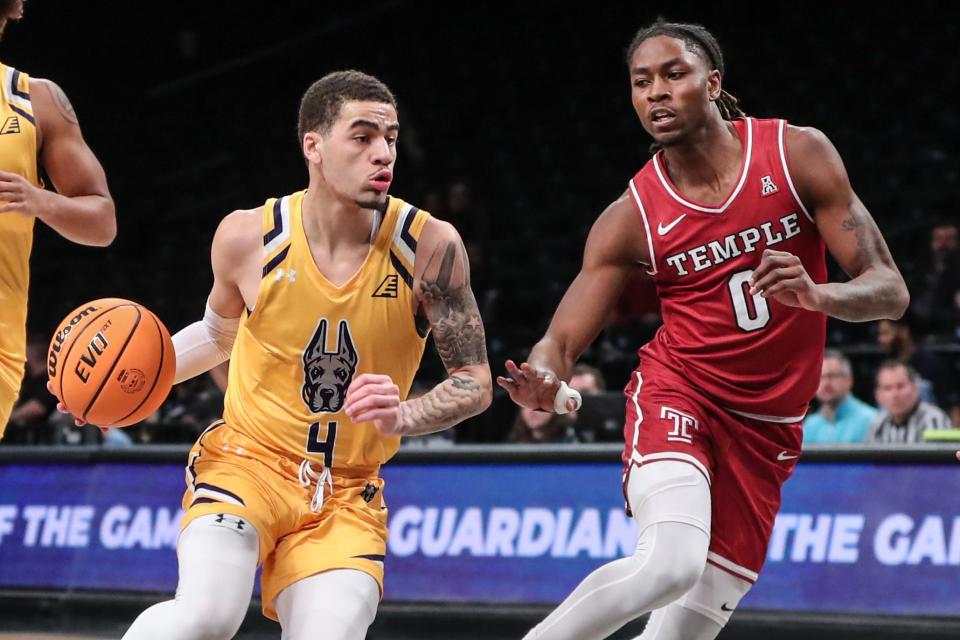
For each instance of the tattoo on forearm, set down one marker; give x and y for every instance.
(64, 107)
(452, 310)
(455, 399)
(873, 292)
(850, 224)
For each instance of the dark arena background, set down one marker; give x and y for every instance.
(518, 128)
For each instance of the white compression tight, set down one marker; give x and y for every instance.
(702, 612)
(670, 501)
(218, 560)
(334, 605)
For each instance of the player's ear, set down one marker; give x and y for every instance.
(714, 87)
(312, 145)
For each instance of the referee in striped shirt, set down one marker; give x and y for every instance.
(904, 417)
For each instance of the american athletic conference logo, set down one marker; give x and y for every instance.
(328, 374)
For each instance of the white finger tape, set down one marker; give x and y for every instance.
(565, 393)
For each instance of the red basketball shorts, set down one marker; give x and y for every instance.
(746, 461)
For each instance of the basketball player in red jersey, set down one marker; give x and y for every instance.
(38, 127)
(731, 218)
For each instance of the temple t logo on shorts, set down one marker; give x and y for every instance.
(681, 425)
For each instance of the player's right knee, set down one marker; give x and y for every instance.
(670, 558)
(218, 559)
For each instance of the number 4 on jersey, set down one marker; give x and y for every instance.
(325, 446)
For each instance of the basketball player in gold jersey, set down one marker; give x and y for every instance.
(322, 301)
(38, 126)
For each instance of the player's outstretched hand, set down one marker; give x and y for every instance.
(531, 387)
(781, 276)
(62, 408)
(374, 398)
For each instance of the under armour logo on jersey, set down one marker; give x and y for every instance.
(10, 125)
(681, 425)
(233, 522)
(767, 187)
(387, 288)
(290, 275)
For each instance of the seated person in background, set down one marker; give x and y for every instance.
(29, 419)
(541, 427)
(897, 339)
(587, 380)
(841, 418)
(938, 279)
(903, 417)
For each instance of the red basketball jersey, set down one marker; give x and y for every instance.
(753, 356)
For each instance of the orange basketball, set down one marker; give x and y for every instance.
(111, 362)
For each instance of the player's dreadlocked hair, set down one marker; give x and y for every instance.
(698, 40)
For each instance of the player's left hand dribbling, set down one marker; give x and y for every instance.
(782, 276)
(374, 398)
(19, 195)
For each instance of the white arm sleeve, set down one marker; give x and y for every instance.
(204, 344)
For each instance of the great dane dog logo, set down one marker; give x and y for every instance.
(327, 374)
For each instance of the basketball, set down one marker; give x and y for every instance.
(111, 362)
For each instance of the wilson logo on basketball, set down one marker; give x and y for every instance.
(60, 338)
(94, 349)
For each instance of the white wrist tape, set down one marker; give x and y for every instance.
(204, 344)
(565, 393)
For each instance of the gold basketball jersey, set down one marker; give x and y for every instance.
(306, 340)
(18, 154)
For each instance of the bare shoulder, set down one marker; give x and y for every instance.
(436, 231)
(617, 235)
(808, 143)
(816, 168)
(622, 213)
(239, 235)
(51, 104)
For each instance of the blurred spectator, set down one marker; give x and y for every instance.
(897, 340)
(841, 417)
(936, 282)
(904, 417)
(189, 409)
(587, 380)
(29, 419)
(542, 427)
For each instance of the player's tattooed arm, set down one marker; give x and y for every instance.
(446, 301)
(875, 289)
